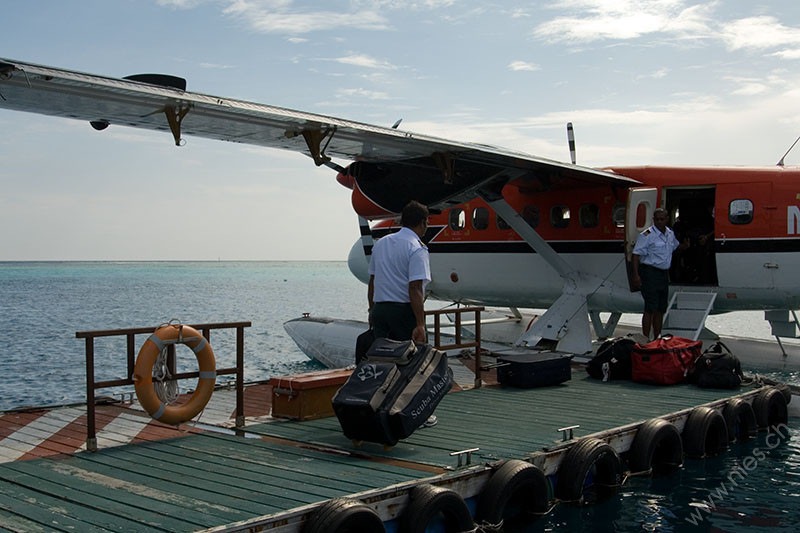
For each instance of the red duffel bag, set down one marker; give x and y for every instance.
(664, 361)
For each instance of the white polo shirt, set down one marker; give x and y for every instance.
(655, 248)
(398, 259)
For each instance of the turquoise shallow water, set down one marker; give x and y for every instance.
(42, 305)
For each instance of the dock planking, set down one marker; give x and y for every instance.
(284, 468)
(513, 423)
(180, 484)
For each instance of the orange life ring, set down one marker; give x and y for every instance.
(143, 373)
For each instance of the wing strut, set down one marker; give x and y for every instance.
(565, 325)
(314, 140)
(175, 118)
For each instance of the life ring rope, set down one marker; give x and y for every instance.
(152, 348)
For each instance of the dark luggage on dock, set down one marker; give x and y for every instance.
(363, 342)
(394, 389)
(526, 370)
(717, 368)
(612, 360)
(664, 361)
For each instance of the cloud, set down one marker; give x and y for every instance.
(667, 134)
(282, 16)
(361, 60)
(750, 89)
(760, 33)
(404, 4)
(372, 95)
(588, 21)
(181, 4)
(593, 20)
(788, 54)
(215, 66)
(522, 65)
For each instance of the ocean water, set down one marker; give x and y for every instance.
(42, 305)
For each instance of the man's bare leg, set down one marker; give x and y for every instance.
(658, 319)
(647, 320)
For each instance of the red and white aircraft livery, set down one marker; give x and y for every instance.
(510, 229)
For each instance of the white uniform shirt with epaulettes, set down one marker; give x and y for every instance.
(398, 259)
(655, 248)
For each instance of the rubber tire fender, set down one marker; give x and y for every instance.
(344, 515)
(786, 390)
(577, 462)
(426, 501)
(740, 420)
(770, 408)
(514, 480)
(657, 444)
(705, 433)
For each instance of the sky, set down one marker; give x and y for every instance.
(667, 82)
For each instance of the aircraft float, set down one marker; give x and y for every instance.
(508, 229)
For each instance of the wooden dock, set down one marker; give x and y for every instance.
(274, 475)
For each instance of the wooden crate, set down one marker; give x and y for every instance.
(306, 396)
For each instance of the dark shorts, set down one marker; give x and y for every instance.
(655, 288)
(393, 320)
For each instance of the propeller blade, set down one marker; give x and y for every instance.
(571, 139)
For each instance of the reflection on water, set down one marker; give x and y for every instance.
(753, 487)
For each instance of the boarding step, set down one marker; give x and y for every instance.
(687, 313)
(783, 325)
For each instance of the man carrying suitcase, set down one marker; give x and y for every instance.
(399, 270)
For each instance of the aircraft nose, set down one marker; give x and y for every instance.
(357, 262)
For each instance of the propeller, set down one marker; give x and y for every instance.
(571, 139)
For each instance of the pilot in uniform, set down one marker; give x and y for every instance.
(399, 271)
(652, 257)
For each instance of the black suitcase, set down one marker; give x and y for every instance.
(363, 342)
(717, 368)
(527, 370)
(385, 401)
(612, 360)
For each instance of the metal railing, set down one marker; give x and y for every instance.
(130, 334)
(476, 343)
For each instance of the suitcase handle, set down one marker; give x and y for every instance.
(494, 365)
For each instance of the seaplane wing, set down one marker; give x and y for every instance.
(439, 171)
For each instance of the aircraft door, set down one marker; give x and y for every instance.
(638, 216)
(743, 222)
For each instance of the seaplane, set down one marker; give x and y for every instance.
(508, 229)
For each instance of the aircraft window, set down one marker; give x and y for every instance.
(740, 211)
(530, 214)
(480, 218)
(618, 215)
(559, 216)
(502, 224)
(641, 216)
(589, 215)
(458, 219)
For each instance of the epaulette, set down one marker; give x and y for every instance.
(646, 232)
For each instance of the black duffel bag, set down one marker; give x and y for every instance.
(613, 360)
(717, 368)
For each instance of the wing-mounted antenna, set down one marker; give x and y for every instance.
(571, 139)
(780, 163)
